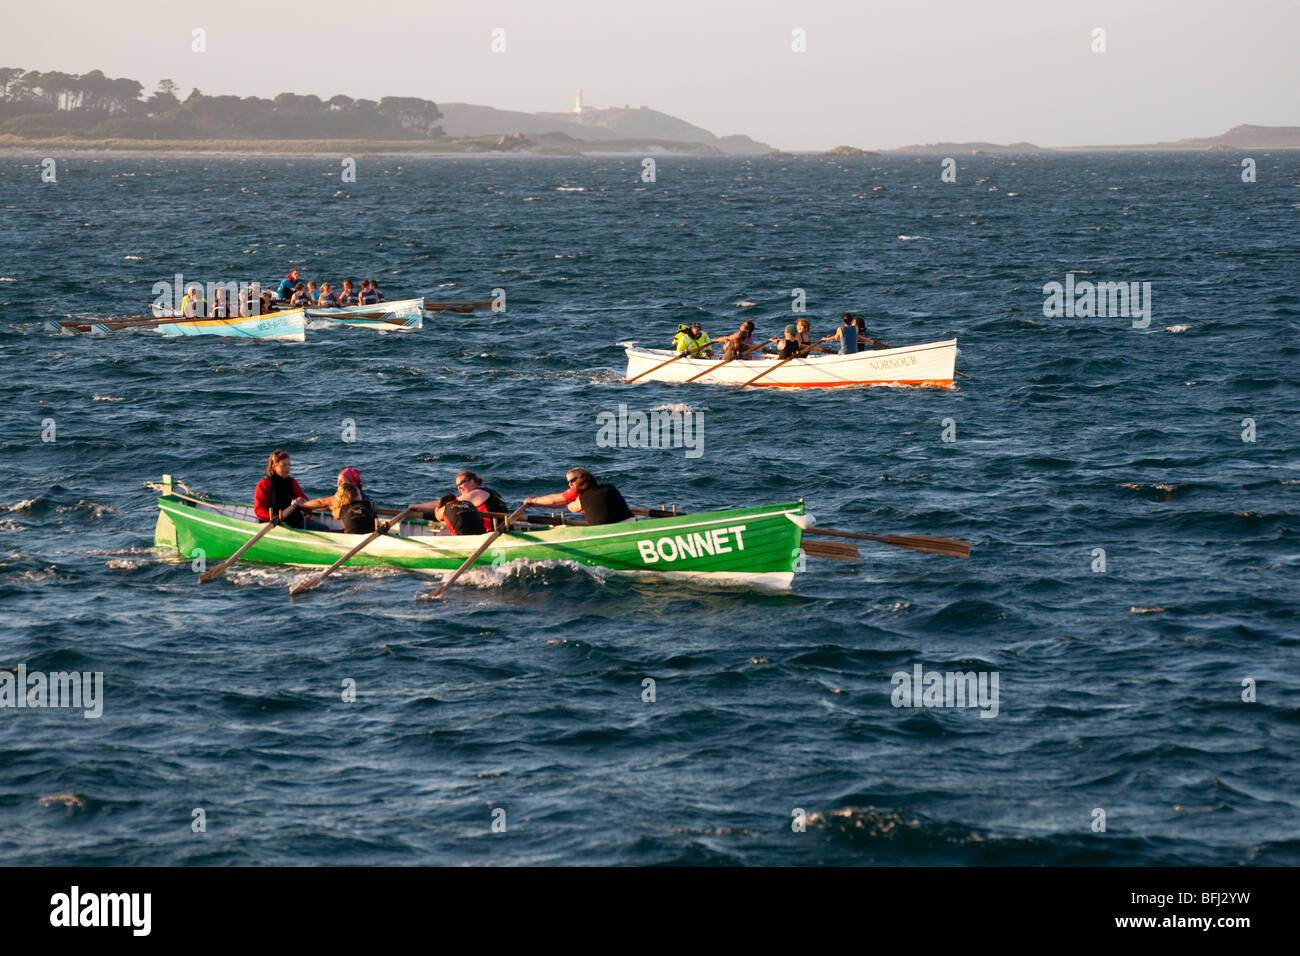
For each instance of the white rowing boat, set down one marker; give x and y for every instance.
(931, 364)
(403, 314)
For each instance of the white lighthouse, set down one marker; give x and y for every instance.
(577, 103)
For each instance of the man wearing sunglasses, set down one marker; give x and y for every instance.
(599, 504)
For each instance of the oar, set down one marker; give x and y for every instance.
(725, 361)
(952, 547)
(675, 358)
(766, 371)
(381, 529)
(456, 306)
(220, 569)
(481, 548)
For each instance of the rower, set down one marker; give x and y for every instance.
(288, 284)
(313, 293)
(599, 504)
(221, 304)
(348, 295)
(327, 298)
(374, 287)
(353, 509)
(266, 304)
(460, 517)
(193, 304)
(862, 335)
(739, 343)
(278, 490)
(846, 335)
(348, 504)
(472, 491)
(369, 294)
(797, 340)
(692, 338)
(300, 297)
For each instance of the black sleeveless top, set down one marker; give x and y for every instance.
(462, 518)
(494, 503)
(358, 517)
(604, 505)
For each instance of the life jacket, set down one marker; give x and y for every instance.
(330, 301)
(603, 505)
(368, 297)
(685, 342)
(461, 517)
(494, 503)
(193, 306)
(281, 496)
(348, 298)
(358, 517)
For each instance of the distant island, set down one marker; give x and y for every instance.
(93, 111)
(1239, 137)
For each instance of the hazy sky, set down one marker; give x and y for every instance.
(877, 73)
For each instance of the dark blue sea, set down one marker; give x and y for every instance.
(1131, 494)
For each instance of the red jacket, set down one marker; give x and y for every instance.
(262, 498)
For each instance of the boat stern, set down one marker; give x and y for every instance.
(164, 532)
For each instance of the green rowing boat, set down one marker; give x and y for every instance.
(756, 547)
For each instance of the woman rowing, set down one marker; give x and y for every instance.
(599, 504)
(277, 491)
(348, 504)
(327, 299)
(348, 295)
(862, 334)
(470, 491)
(483, 499)
(797, 341)
(460, 517)
(738, 343)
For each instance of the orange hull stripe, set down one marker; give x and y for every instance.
(927, 382)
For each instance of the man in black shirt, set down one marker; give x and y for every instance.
(599, 504)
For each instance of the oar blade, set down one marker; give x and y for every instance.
(951, 547)
(518, 513)
(305, 584)
(213, 573)
(834, 550)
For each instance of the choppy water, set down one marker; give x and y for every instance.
(523, 692)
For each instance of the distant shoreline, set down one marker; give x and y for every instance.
(16, 146)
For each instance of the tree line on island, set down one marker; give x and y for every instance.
(94, 106)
